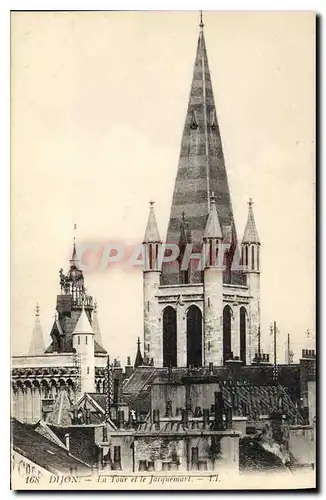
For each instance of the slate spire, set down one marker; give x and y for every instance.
(139, 357)
(37, 342)
(201, 168)
(151, 234)
(250, 233)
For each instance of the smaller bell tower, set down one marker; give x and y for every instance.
(153, 348)
(251, 262)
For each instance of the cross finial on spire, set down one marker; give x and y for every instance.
(152, 203)
(213, 199)
(138, 342)
(250, 202)
(37, 310)
(183, 213)
(201, 24)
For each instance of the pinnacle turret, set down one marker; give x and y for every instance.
(37, 342)
(151, 234)
(250, 232)
(213, 228)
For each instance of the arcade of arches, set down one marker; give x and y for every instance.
(32, 399)
(194, 335)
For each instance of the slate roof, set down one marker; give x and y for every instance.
(82, 442)
(43, 452)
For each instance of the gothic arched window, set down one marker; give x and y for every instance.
(227, 315)
(243, 317)
(194, 336)
(169, 337)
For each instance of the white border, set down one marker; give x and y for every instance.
(5, 7)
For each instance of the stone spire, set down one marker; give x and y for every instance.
(213, 228)
(139, 357)
(201, 168)
(83, 325)
(37, 344)
(250, 232)
(95, 325)
(151, 234)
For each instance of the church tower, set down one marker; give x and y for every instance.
(198, 307)
(70, 301)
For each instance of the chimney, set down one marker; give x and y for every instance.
(99, 458)
(156, 419)
(142, 465)
(202, 465)
(165, 465)
(168, 409)
(105, 434)
(121, 419)
(198, 413)
(116, 382)
(130, 420)
(206, 418)
(184, 418)
(75, 416)
(229, 418)
(194, 458)
(88, 416)
(178, 411)
(117, 457)
(218, 421)
(188, 399)
(128, 368)
(67, 437)
(150, 466)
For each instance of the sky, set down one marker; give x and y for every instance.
(98, 103)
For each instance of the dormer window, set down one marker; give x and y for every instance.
(194, 123)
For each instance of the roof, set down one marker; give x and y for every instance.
(81, 442)
(41, 451)
(61, 413)
(151, 234)
(83, 325)
(141, 377)
(250, 233)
